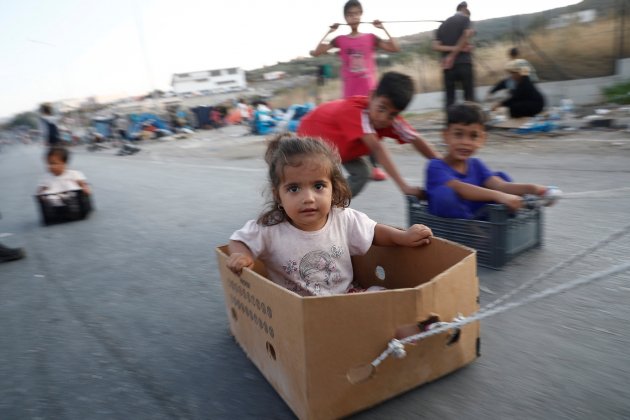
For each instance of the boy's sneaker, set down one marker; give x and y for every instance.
(378, 174)
(10, 254)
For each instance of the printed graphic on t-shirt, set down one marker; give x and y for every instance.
(357, 61)
(317, 270)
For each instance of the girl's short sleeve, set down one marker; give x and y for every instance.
(360, 230)
(252, 235)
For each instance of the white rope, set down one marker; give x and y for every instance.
(557, 267)
(396, 347)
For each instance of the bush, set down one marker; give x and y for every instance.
(618, 93)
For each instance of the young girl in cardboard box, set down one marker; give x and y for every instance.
(307, 234)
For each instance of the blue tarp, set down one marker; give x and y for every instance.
(137, 121)
(103, 126)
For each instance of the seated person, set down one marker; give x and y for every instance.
(59, 179)
(460, 185)
(508, 83)
(525, 99)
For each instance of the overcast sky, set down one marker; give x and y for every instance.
(51, 50)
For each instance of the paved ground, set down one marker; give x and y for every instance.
(122, 315)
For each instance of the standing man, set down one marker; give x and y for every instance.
(452, 40)
(48, 126)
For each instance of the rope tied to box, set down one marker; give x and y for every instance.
(396, 347)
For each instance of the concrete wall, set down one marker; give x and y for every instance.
(581, 91)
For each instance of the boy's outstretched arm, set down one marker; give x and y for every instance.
(496, 183)
(475, 193)
(321, 47)
(416, 235)
(390, 44)
(383, 157)
(425, 149)
(240, 257)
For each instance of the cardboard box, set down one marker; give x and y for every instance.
(309, 347)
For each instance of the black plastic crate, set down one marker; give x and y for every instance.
(498, 239)
(67, 206)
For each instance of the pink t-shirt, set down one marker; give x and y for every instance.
(358, 64)
(311, 263)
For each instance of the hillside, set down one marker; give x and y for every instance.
(575, 50)
(518, 29)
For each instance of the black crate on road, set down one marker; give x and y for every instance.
(67, 206)
(498, 239)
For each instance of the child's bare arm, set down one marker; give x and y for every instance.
(425, 149)
(85, 187)
(321, 47)
(383, 157)
(496, 183)
(416, 235)
(240, 257)
(390, 44)
(475, 193)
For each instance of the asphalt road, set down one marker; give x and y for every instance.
(123, 316)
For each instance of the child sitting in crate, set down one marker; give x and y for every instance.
(60, 179)
(460, 185)
(307, 234)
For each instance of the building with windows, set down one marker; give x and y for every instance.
(208, 82)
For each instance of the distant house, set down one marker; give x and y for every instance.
(209, 81)
(274, 75)
(566, 19)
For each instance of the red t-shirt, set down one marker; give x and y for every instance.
(344, 122)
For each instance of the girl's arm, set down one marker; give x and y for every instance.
(84, 186)
(321, 47)
(240, 257)
(496, 183)
(416, 235)
(475, 193)
(390, 44)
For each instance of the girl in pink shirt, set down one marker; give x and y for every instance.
(358, 64)
(357, 51)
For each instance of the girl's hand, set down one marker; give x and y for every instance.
(378, 24)
(417, 235)
(236, 262)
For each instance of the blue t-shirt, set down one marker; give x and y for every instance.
(439, 173)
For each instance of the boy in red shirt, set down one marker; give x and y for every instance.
(356, 125)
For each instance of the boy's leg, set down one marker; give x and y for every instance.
(358, 174)
(377, 173)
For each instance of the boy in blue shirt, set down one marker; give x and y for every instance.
(459, 185)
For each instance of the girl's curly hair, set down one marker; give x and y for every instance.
(290, 150)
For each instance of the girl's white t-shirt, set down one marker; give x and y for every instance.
(67, 181)
(311, 263)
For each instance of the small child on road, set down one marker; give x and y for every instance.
(59, 179)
